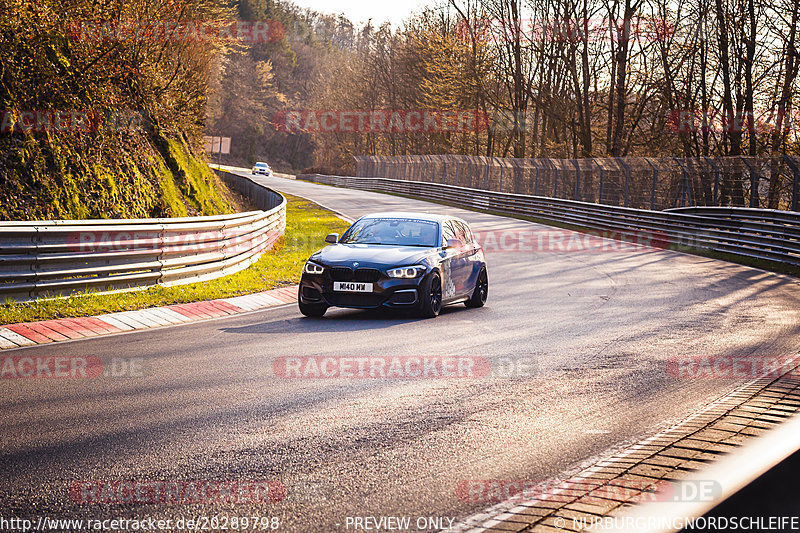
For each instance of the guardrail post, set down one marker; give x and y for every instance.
(471, 172)
(679, 198)
(754, 200)
(602, 180)
(502, 175)
(686, 185)
(655, 184)
(711, 162)
(577, 179)
(555, 182)
(34, 265)
(427, 167)
(795, 191)
(621, 161)
(796, 173)
(162, 243)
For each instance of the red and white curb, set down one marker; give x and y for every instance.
(47, 331)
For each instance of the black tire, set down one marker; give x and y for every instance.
(431, 297)
(481, 292)
(312, 310)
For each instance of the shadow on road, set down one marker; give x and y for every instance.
(341, 320)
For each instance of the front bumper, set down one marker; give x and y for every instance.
(395, 293)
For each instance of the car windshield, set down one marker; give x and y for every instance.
(392, 232)
(262, 165)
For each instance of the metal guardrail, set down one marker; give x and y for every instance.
(57, 258)
(752, 233)
(652, 183)
(261, 196)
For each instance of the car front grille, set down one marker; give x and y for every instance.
(342, 274)
(368, 275)
(364, 275)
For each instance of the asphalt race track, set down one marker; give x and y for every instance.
(600, 325)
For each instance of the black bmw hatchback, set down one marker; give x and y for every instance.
(410, 261)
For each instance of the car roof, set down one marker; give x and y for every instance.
(431, 217)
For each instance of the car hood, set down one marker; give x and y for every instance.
(372, 255)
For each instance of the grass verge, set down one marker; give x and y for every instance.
(306, 226)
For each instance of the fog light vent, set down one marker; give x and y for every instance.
(405, 297)
(310, 293)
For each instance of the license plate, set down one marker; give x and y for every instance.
(346, 286)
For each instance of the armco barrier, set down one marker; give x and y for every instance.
(752, 233)
(261, 196)
(56, 258)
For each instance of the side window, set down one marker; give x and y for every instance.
(465, 232)
(459, 231)
(448, 232)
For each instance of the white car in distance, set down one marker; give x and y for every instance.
(262, 168)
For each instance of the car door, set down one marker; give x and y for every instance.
(459, 264)
(472, 259)
(446, 262)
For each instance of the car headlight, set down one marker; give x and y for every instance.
(406, 272)
(313, 268)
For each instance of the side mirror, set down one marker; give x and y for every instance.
(332, 238)
(454, 243)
